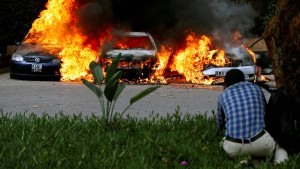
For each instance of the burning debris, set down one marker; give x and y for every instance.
(190, 59)
(189, 38)
(138, 53)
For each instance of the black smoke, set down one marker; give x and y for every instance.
(168, 20)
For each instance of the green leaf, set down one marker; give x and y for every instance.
(120, 88)
(111, 90)
(97, 72)
(93, 88)
(112, 85)
(112, 68)
(143, 94)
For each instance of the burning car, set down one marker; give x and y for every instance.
(138, 54)
(33, 60)
(239, 58)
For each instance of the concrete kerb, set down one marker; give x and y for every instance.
(4, 63)
(4, 70)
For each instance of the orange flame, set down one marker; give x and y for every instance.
(162, 62)
(56, 26)
(190, 60)
(237, 39)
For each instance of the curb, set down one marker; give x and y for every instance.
(4, 63)
(4, 70)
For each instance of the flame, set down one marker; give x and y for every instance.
(237, 36)
(57, 26)
(138, 42)
(190, 60)
(162, 62)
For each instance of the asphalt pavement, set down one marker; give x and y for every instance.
(19, 96)
(39, 97)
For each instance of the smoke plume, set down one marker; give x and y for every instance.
(168, 20)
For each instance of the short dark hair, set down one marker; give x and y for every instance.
(234, 76)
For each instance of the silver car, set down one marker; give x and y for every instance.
(138, 54)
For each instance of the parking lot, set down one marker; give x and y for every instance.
(19, 96)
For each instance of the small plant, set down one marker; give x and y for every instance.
(112, 90)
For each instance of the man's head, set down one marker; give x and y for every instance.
(233, 76)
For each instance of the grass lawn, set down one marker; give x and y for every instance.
(175, 141)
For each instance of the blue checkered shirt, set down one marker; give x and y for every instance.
(243, 105)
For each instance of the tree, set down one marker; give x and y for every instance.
(16, 17)
(282, 37)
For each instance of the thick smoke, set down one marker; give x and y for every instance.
(168, 20)
(93, 15)
(230, 19)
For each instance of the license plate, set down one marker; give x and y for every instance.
(36, 67)
(220, 73)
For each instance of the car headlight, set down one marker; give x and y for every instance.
(56, 61)
(17, 57)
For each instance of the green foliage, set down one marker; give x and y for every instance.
(266, 11)
(271, 12)
(108, 97)
(29, 141)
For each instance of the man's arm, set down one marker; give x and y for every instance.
(220, 116)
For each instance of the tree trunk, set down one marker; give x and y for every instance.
(282, 37)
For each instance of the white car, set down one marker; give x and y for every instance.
(239, 59)
(138, 54)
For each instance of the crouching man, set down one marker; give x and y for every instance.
(241, 110)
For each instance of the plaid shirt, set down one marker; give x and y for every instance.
(243, 105)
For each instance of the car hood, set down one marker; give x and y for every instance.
(138, 54)
(39, 54)
(29, 50)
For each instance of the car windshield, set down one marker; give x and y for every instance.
(133, 42)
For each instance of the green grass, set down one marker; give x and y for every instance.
(29, 141)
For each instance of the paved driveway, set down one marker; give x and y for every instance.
(18, 96)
